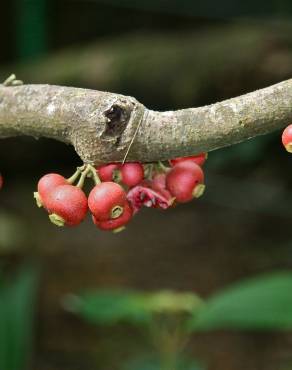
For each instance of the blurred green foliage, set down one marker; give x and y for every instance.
(261, 303)
(258, 303)
(110, 307)
(17, 306)
(31, 30)
(154, 363)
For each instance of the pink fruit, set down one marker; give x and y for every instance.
(106, 200)
(159, 181)
(46, 184)
(159, 185)
(132, 173)
(67, 205)
(198, 159)
(287, 138)
(106, 172)
(185, 181)
(118, 223)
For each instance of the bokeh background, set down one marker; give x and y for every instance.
(169, 55)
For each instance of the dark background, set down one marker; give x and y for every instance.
(169, 55)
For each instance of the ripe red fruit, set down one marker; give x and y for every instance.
(46, 184)
(106, 200)
(132, 173)
(198, 159)
(115, 224)
(287, 138)
(1, 181)
(106, 172)
(159, 181)
(159, 185)
(185, 181)
(67, 205)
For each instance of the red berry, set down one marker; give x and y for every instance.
(159, 181)
(115, 224)
(198, 159)
(1, 181)
(48, 183)
(132, 173)
(105, 200)
(183, 179)
(106, 172)
(67, 205)
(159, 184)
(287, 138)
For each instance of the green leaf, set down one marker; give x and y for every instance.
(16, 316)
(111, 306)
(260, 303)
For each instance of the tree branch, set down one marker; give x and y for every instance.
(101, 125)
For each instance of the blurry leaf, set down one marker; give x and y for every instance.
(154, 363)
(110, 307)
(258, 303)
(16, 315)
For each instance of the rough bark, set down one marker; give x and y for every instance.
(101, 125)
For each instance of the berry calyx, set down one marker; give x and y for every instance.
(106, 171)
(105, 199)
(287, 138)
(115, 224)
(198, 190)
(198, 159)
(183, 179)
(132, 173)
(67, 205)
(57, 220)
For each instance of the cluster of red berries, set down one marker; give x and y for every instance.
(120, 191)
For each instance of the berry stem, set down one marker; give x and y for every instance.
(83, 177)
(75, 176)
(94, 174)
(148, 171)
(162, 166)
